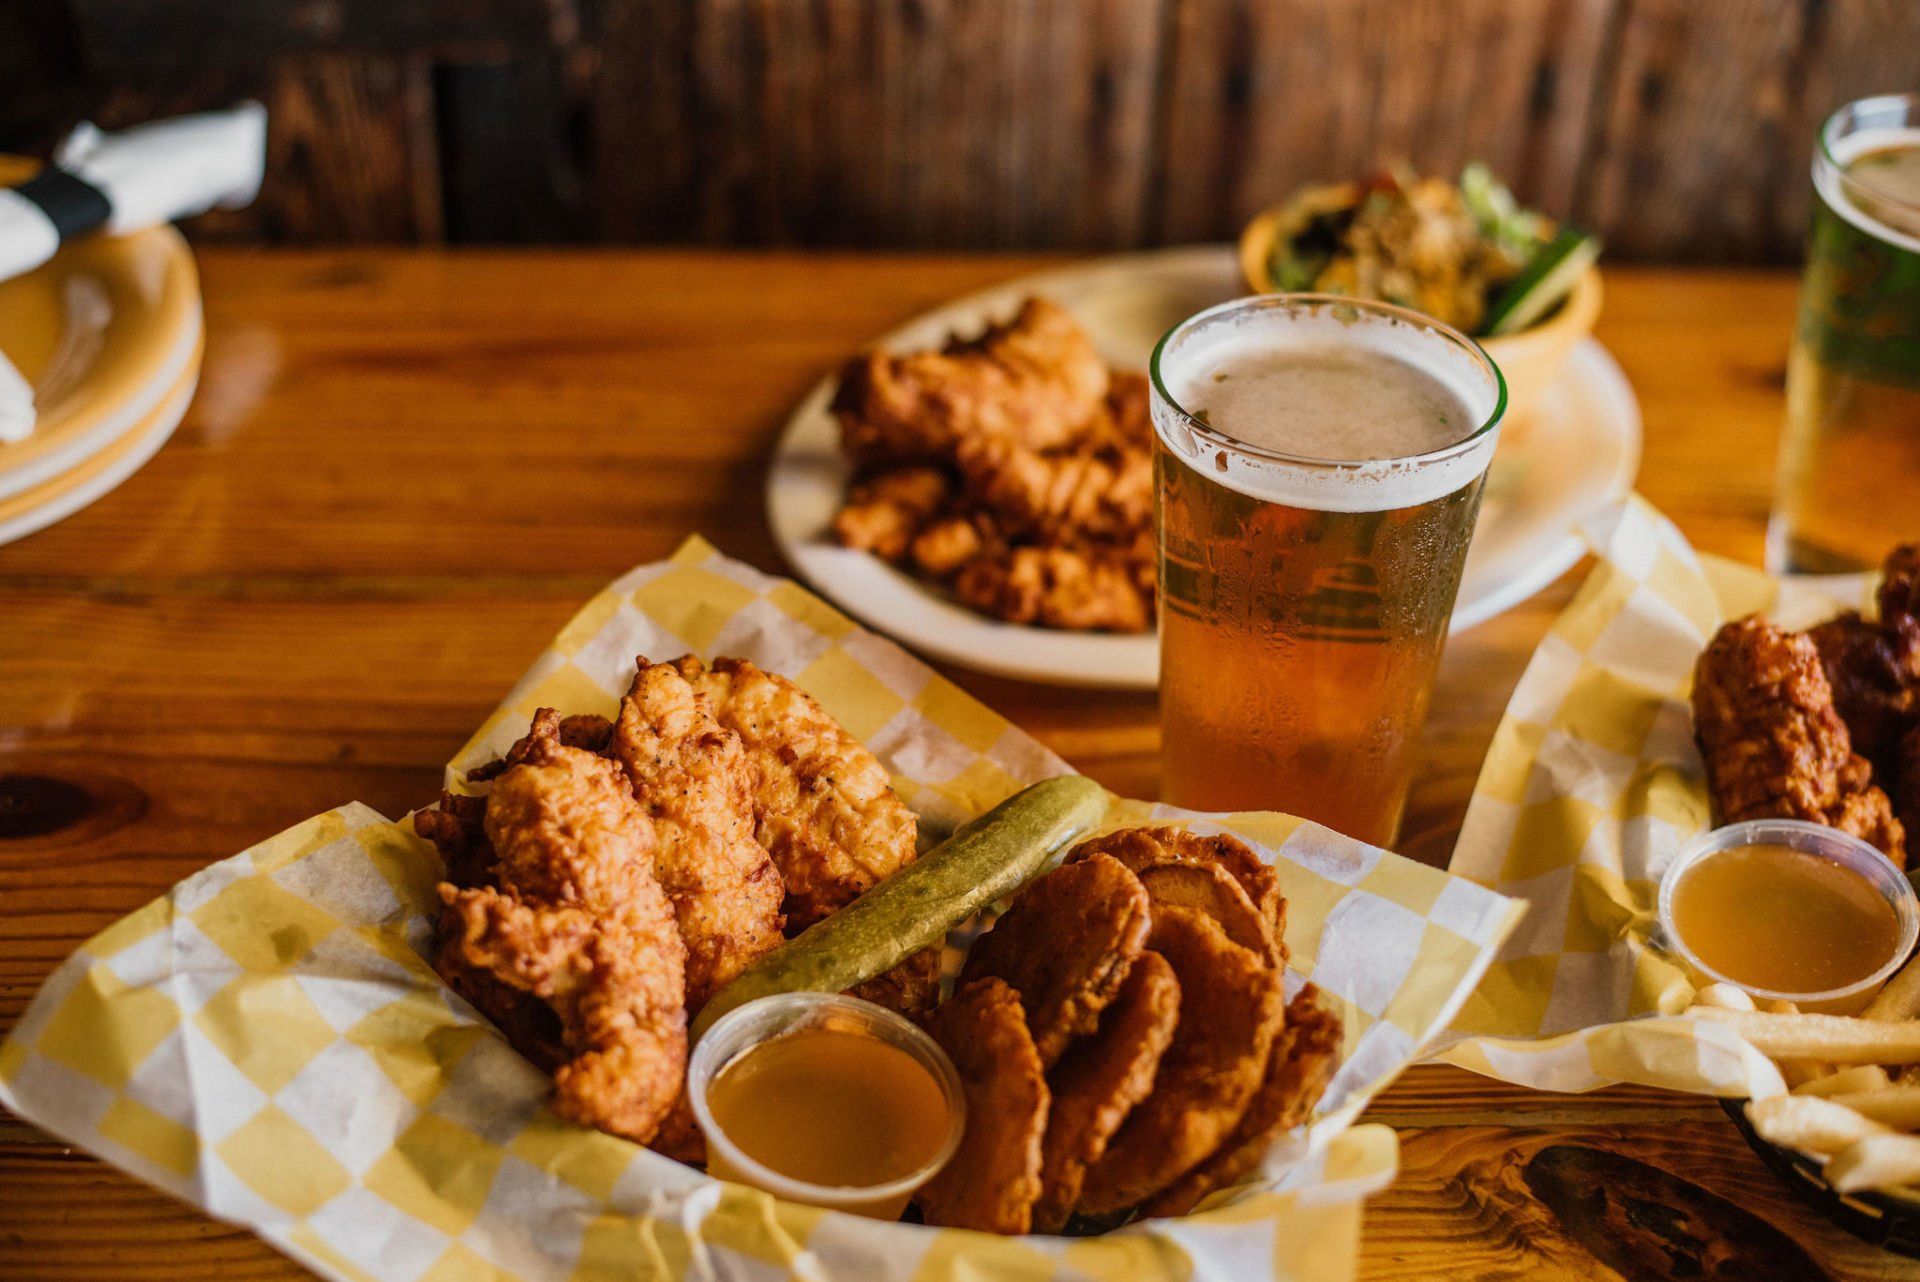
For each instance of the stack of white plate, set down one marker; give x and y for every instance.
(109, 335)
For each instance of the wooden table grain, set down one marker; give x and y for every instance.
(404, 470)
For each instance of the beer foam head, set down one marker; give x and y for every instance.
(1322, 404)
(1833, 183)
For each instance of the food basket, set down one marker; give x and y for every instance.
(268, 1042)
(1592, 787)
(1887, 1219)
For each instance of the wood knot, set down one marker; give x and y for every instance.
(1645, 1223)
(35, 805)
(76, 808)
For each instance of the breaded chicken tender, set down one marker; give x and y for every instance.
(1083, 589)
(1099, 490)
(1036, 381)
(1874, 673)
(821, 802)
(695, 780)
(1773, 743)
(569, 913)
(1899, 593)
(888, 511)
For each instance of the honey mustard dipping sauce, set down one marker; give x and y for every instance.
(1789, 914)
(826, 1100)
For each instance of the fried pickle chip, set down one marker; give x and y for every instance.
(993, 1180)
(1208, 888)
(1065, 946)
(1142, 848)
(1100, 1079)
(1302, 1062)
(1230, 1011)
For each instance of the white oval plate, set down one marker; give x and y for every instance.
(1578, 455)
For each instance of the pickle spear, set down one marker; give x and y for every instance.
(985, 860)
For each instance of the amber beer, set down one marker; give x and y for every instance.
(1320, 463)
(1850, 457)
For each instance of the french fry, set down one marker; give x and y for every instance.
(1798, 1072)
(1725, 996)
(1795, 1072)
(1900, 999)
(1836, 1039)
(1801, 1072)
(1810, 1124)
(1897, 1106)
(1875, 1162)
(1856, 1080)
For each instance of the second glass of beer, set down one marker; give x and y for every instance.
(1319, 464)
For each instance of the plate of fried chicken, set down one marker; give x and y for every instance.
(979, 484)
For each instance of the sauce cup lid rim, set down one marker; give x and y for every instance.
(1749, 832)
(826, 1196)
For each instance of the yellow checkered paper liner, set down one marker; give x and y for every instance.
(268, 1041)
(1591, 787)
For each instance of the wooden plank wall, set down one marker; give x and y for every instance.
(1678, 128)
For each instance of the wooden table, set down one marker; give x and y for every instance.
(404, 471)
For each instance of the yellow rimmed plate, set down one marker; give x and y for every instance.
(105, 333)
(35, 509)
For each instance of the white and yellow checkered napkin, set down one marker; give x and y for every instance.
(1591, 787)
(267, 1041)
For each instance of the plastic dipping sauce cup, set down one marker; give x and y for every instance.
(826, 1100)
(1740, 908)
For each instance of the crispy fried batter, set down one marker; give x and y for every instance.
(1099, 1081)
(584, 730)
(1230, 1011)
(1874, 674)
(570, 914)
(1036, 380)
(1143, 848)
(821, 801)
(1034, 508)
(680, 1136)
(994, 1178)
(1208, 888)
(1101, 489)
(1904, 789)
(457, 828)
(1300, 1066)
(695, 780)
(943, 547)
(1899, 592)
(1058, 585)
(885, 512)
(1773, 744)
(912, 988)
(1065, 946)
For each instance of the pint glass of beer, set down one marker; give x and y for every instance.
(1319, 463)
(1850, 458)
